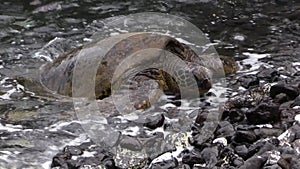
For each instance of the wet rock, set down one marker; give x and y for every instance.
(296, 102)
(238, 162)
(242, 151)
(281, 98)
(192, 158)
(267, 132)
(244, 136)
(73, 150)
(155, 121)
(289, 162)
(268, 74)
(287, 117)
(275, 166)
(185, 166)
(55, 6)
(256, 162)
(110, 164)
(283, 163)
(293, 133)
(264, 114)
(5, 19)
(254, 148)
(266, 148)
(236, 115)
(248, 81)
(83, 155)
(130, 143)
(281, 2)
(296, 129)
(210, 155)
(290, 91)
(286, 150)
(61, 160)
(225, 129)
(295, 163)
(296, 145)
(201, 117)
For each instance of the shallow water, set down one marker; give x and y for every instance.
(35, 126)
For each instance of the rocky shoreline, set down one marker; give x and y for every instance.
(259, 128)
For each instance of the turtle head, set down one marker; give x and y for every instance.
(195, 72)
(203, 77)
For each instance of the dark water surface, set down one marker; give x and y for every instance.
(33, 127)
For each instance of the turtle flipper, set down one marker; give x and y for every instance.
(138, 93)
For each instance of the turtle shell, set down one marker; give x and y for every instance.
(107, 55)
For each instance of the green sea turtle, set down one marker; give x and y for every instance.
(57, 76)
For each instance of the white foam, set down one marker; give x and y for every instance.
(265, 126)
(57, 126)
(221, 140)
(6, 96)
(85, 154)
(239, 38)
(296, 107)
(167, 156)
(122, 31)
(10, 127)
(3, 80)
(296, 63)
(253, 61)
(46, 165)
(87, 39)
(283, 138)
(114, 33)
(274, 157)
(297, 118)
(168, 105)
(88, 154)
(132, 131)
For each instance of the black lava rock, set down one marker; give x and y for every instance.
(130, 143)
(201, 117)
(155, 121)
(281, 98)
(242, 151)
(73, 150)
(237, 162)
(268, 74)
(256, 162)
(267, 132)
(60, 160)
(291, 91)
(289, 162)
(192, 158)
(283, 163)
(210, 154)
(225, 129)
(263, 114)
(296, 102)
(248, 81)
(236, 115)
(64, 158)
(244, 137)
(255, 148)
